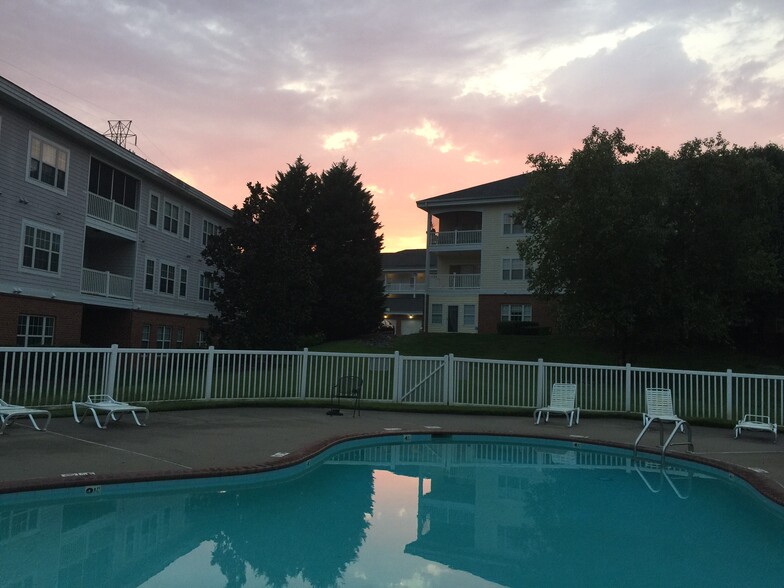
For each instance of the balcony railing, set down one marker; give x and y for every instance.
(455, 281)
(404, 288)
(111, 212)
(445, 238)
(106, 284)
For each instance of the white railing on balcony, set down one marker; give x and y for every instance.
(455, 281)
(106, 284)
(111, 212)
(404, 288)
(56, 376)
(442, 238)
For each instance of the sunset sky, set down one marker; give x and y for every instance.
(426, 97)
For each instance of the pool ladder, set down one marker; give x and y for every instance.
(677, 424)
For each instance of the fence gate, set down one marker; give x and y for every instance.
(424, 380)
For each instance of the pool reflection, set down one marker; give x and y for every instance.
(484, 513)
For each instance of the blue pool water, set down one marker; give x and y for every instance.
(413, 512)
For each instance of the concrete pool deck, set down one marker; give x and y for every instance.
(221, 441)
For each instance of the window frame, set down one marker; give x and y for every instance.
(437, 313)
(472, 315)
(163, 337)
(154, 210)
(170, 280)
(182, 284)
(169, 219)
(47, 325)
(507, 314)
(149, 278)
(206, 227)
(145, 340)
(38, 181)
(206, 284)
(509, 227)
(23, 245)
(187, 219)
(179, 341)
(508, 269)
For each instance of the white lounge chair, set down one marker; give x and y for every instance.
(756, 422)
(659, 409)
(562, 400)
(114, 410)
(10, 412)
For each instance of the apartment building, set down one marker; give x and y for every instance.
(404, 285)
(97, 245)
(479, 278)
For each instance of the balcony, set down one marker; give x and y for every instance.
(111, 212)
(455, 281)
(456, 239)
(106, 284)
(404, 288)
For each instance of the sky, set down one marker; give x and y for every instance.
(425, 97)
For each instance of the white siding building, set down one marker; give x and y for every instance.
(97, 245)
(480, 279)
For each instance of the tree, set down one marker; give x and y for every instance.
(347, 253)
(299, 258)
(646, 246)
(263, 266)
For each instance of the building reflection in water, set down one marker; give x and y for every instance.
(492, 510)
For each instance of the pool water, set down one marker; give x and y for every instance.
(414, 512)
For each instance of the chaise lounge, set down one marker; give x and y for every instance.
(756, 422)
(10, 412)
(114, 410)
(562, 400)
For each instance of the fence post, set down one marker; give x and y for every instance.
(539, 382)
(111, 371)
(210, 368)
(448, 392)
(729, 395)
(303, 374)
(628, 385)
(397, 370)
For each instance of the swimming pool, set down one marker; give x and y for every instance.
(406, 511)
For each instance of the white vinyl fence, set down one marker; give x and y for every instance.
(53, 377)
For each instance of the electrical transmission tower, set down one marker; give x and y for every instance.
(120, 131)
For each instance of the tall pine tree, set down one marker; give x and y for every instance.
(347, 252)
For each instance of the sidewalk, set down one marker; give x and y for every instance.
(220, 441)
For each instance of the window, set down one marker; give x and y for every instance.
(166, 282)
(516, 312)
(180, 337)
(41, 249)
(513, 268)
(35, 331)
(48, 163)
(201, 342)
(208, 230)
(163, 338)
(511, 226)
(186, 225)
(171, 217)
(183, 282)
(206, 287)
(154, 204)
(112, 184)
(469, 315)
(437, 314)
(145, 336)
(149, 275)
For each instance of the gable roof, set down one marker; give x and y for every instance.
(499, 191)
(406, 259)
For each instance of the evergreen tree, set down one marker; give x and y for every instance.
(263, 266)
(347, 252)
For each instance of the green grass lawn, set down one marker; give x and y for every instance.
(563, 349)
